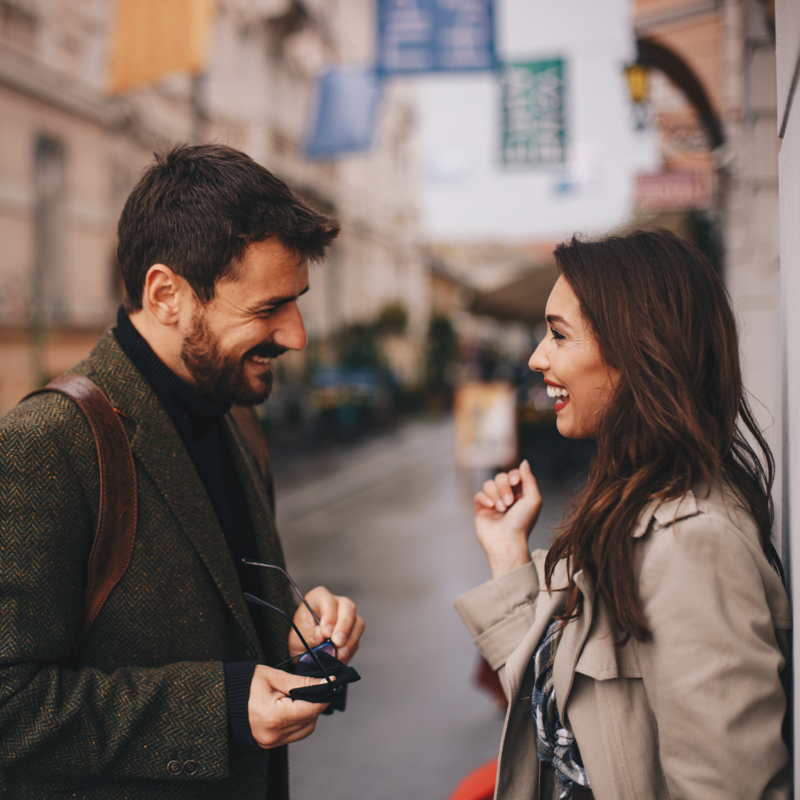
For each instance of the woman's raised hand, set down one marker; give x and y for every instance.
(505, 513)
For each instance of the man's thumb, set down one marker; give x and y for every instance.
(284, 682)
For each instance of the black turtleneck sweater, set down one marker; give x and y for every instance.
(199, 423)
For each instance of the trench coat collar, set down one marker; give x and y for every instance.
(602, 660)
(666, 512)
(158, 448)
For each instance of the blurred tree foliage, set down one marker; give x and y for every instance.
(441, 354)
(393, 319)
(359, 346)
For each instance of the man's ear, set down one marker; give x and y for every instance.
(164, 294)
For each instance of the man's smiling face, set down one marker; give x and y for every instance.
(253, 318)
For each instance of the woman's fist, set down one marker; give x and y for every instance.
(505, 513)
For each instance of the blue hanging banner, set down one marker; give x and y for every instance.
(347, 101)
(417, 36)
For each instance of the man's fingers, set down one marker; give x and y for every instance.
(338, 619)
(284, 682)
(281, 728)
(309, 628)
(300, 733)
(351, 645)
(327, 607)
(345, 620)
(275, 718)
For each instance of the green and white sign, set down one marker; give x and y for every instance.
(534, 129)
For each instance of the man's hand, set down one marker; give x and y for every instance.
(505, 512)
(276, 719)
(338, 622)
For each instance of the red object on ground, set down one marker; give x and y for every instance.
(478, 784)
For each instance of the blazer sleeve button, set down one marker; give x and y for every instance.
(174, 767)
(190, 767)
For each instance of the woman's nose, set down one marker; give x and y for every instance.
(538, 361)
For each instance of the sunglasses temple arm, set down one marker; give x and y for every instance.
(288, 578)
(259, 601)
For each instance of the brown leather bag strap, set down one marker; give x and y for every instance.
(116, 524)
(247, 422)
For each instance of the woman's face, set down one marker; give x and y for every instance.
(573, 369)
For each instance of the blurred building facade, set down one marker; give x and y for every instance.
(712, 102)
(71, 153)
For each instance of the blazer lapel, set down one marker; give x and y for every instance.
(158, 448)
(258, 504)
(274, 586)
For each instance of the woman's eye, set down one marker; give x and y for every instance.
(556, 334)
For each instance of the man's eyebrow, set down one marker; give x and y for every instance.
(276, 302)
(555, 319)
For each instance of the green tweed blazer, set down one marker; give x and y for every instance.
(145, 687)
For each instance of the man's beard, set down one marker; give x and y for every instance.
(220, 377)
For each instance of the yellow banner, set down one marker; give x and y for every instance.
(153, 38)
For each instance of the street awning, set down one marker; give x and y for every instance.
(522, 300)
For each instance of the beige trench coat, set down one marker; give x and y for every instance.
(694, 714)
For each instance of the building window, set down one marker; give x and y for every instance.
(18, 24)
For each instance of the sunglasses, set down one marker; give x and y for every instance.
(312, 653)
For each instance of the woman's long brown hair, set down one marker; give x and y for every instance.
(679, 415)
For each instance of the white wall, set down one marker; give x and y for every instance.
(788, 18)
(749, 160)
(468, 195)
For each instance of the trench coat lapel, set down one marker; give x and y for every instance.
(600, 654)
(157, 446)
(549, 604)
(571, 644)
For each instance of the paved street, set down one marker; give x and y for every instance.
(389, 523)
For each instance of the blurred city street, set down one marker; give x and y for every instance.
(454, 144)
(389, 523)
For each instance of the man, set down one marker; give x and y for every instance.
(168, 694)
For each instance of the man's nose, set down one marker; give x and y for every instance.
(291, 332)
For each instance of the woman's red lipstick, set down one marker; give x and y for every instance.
(560, 392)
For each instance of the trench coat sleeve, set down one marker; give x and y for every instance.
(500, 612)
(82, 724)
(711, 671)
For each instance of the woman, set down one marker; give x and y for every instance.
(643, 654)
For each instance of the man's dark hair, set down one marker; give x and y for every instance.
(198, 208)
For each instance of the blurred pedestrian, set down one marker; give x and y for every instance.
(645, 654)
(168, 693)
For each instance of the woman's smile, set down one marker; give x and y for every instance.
(556, 390)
